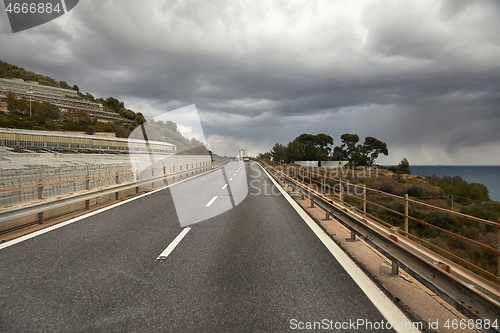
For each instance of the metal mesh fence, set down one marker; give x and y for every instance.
(34, 182)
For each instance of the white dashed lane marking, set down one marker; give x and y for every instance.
(174, 243)
(211, 201)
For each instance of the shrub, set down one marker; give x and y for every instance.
(416, 191)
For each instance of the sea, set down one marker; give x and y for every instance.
(487, 175)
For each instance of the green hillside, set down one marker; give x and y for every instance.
(47, 116)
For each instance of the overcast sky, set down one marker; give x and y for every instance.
(423, 76)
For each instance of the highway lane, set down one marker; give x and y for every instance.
(254, 268)
(204, 197)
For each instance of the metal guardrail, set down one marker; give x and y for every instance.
(44, 205)
(358, 195)
(469, 293)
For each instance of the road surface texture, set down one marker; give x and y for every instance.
(257, 267)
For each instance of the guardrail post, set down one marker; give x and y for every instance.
(327, 213)
(406, 215)
(324, 182)
(40, 218)
(20, 181)
(117, 179)
(353, 237)
(312, 203)
(152, 176)
(395, 268)
(341, 190)
(40, 191)
(87, 187)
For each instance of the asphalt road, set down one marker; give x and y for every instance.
(256, 267)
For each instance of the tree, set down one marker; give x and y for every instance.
(372, 148)
(349, 142)
(89, 97)
(139, 118)
(115, 105)
(46, 110)
(172, 126)
(121, 131)
(360, 156)
(15, 105)
(63, 84)
(279, 152)
(294, 151)
(477, 191)
(75, 88)
(264, 156)
(404, 166)
(323, 144)
(309, 153)
(339, 153)
(308, 147)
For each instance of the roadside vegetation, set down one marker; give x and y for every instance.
(308, 147)
(448, 192)
(452, 193)
(48, 117)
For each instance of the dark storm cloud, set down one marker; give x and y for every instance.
(412, 73)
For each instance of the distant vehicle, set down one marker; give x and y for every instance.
(246, 159)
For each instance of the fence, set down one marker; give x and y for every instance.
(472, 242)
(471, 294)
(43, 184)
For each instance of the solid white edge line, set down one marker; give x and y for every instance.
(81, 217)
(386, 307)
(211, 201)
(174, 243)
